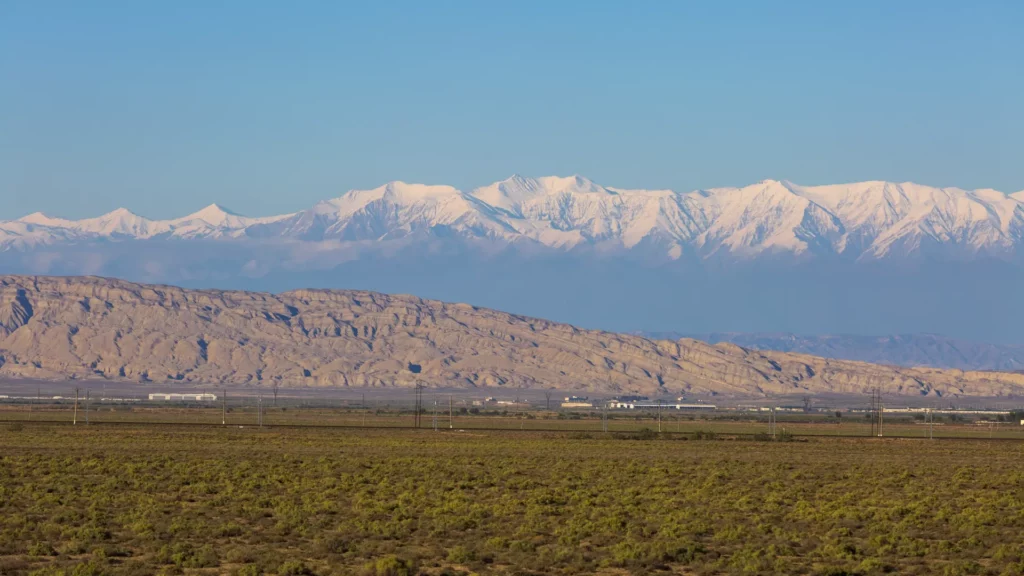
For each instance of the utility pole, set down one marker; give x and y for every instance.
(259, 410)
(435, 413)
(86, 406)
(659, 415)
(74, 420)
(876, 405)
(604, 417)
(881, 411)
(771, 421)
(451, 413)
(871, 411)
(223, 407)
(416, 416)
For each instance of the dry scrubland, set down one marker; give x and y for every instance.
(136, 500)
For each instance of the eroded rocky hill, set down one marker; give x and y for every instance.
(87, 327)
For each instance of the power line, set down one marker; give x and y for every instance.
(435, 413)
(419, 406)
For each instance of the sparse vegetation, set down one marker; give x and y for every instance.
(135, 500)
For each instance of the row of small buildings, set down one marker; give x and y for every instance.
(633, 403)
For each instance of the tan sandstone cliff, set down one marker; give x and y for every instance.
(57, 328)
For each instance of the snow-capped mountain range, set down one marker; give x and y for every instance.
(860, 221)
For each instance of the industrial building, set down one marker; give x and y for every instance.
(577, 402)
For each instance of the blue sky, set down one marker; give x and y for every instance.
(267, 107)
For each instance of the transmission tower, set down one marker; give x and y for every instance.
(877, 411)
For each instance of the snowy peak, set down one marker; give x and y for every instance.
(856, 221)
(513, 192)
(572, 184)
(509, 193)
(215, 215)
(40, 219)
(395, 192)
(406, 193)
(214, 221)
(120, 222)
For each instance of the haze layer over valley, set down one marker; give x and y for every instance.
(931, 350)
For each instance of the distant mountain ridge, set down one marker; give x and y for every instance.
(122, 224)
(863, 258)
(908, 350)
(98, 328)
(860, 221)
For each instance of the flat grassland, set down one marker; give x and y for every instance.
(207, 500)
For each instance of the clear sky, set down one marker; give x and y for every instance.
(267, 107)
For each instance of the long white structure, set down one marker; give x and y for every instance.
(665, 406)
(176, 397)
